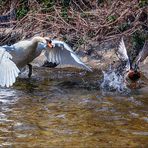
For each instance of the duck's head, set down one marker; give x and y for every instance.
(133, 75)
(132, 78)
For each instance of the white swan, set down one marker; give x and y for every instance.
(21, 54)
(24, 52)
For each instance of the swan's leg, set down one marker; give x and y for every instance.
(30, 70)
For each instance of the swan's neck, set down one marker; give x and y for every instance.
(40, 48)
(38, 39)
(38, 45)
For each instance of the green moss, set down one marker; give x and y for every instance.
(99, 2)
(91, 33)
(65, 16)
(21, 12)
(143, 3)
(138, 39)
(48, 3)
(1, 2)
(111, 18)
(23, 9)
(64, 13)
(124, 26)
(66, 3)
(84, 15)
(79, 42)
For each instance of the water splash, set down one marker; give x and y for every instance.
(113, 81)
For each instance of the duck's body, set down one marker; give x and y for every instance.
(129, 70)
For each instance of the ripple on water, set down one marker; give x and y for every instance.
(8, 95)
(56, 115)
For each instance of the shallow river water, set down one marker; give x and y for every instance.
(60, 108)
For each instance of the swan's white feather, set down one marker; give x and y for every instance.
(8, 69)
(62, 54)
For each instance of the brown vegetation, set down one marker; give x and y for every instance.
(79, 21)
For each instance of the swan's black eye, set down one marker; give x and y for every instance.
(49, 41)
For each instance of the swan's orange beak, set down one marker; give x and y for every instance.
(49, 45)
(49, 42)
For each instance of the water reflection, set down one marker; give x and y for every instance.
(62, 111)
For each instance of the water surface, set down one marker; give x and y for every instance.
(62, 108)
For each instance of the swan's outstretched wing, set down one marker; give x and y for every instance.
(122, 54)
(62, 54)
(8, 69)
(143, 54)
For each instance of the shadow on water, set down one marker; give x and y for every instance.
(67, 108)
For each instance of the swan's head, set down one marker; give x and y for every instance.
(49, 42)
(43, 40)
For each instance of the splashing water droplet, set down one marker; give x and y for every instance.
(113, 81)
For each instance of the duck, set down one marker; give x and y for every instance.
(24, 52)
(131, 71)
